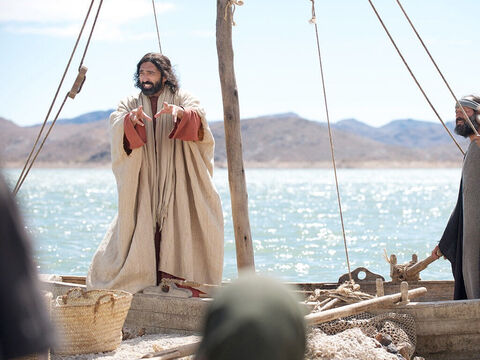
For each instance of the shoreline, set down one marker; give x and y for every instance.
(380, 164)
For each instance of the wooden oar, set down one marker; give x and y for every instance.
(422, 265)
(310, 319)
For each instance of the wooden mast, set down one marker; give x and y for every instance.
(233, 139)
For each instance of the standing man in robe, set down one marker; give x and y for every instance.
(460, 242)
(169, 221)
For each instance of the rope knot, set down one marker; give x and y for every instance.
(233, 4)
(313, 20)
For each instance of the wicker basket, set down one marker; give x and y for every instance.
(89, 321)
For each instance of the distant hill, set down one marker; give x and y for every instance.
(289, 139)
(87, 118)
(268, 141)
(68, 143)
(408, 132)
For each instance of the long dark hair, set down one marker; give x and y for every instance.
(163, 64)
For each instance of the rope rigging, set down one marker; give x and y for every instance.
(156, 25)
(75, 90)
(436, 67)
(413, 75)
(314, 22)
(330, 136)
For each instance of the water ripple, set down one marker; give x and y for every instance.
(294, 218)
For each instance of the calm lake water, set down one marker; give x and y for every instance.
(294, 218)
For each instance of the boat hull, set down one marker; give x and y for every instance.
(446, 329)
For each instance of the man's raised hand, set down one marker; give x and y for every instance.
(137, 116)
(173, 109)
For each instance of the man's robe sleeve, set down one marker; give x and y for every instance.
(135, 136)
(188, 128)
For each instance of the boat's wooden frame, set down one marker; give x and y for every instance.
(446, 329)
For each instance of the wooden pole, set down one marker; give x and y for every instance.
(233, 139)
(404, 292)
(359, 307)
(379, 287)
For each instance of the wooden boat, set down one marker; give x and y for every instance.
(446, 329)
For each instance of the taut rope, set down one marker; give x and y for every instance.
(330, 136)
(413, 76)
(156, 25)
(29, 163)
(438, 69)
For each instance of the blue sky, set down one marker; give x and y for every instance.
(275, 56)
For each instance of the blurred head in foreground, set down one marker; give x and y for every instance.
(253, 318)
(24, 325)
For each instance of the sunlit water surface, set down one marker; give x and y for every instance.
(294, 218)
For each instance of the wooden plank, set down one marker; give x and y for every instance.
(443, 346)
(73, 279)
(457, 355)
(459, 309)
(136, 318)
(155, 303)
(447, 327)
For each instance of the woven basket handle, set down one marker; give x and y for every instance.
(67, 295)
(97, 304)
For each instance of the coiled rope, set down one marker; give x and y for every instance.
(82, 70)
(313, 21)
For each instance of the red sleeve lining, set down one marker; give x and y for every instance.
(135, 136)
(188, 127)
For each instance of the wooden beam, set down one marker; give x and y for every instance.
(233, 139)
(359, 307)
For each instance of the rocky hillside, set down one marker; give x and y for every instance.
(289, 139)
(274, 140)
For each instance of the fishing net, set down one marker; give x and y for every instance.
(364, 336)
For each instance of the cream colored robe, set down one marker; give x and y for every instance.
(169, 184)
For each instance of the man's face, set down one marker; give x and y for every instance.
(462, 128)
(150, 79)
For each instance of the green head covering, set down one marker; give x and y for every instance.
(253, 318)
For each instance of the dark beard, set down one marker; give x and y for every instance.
(465, 129)
(153, 90)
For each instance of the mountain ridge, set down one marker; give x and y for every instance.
(278, 140)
